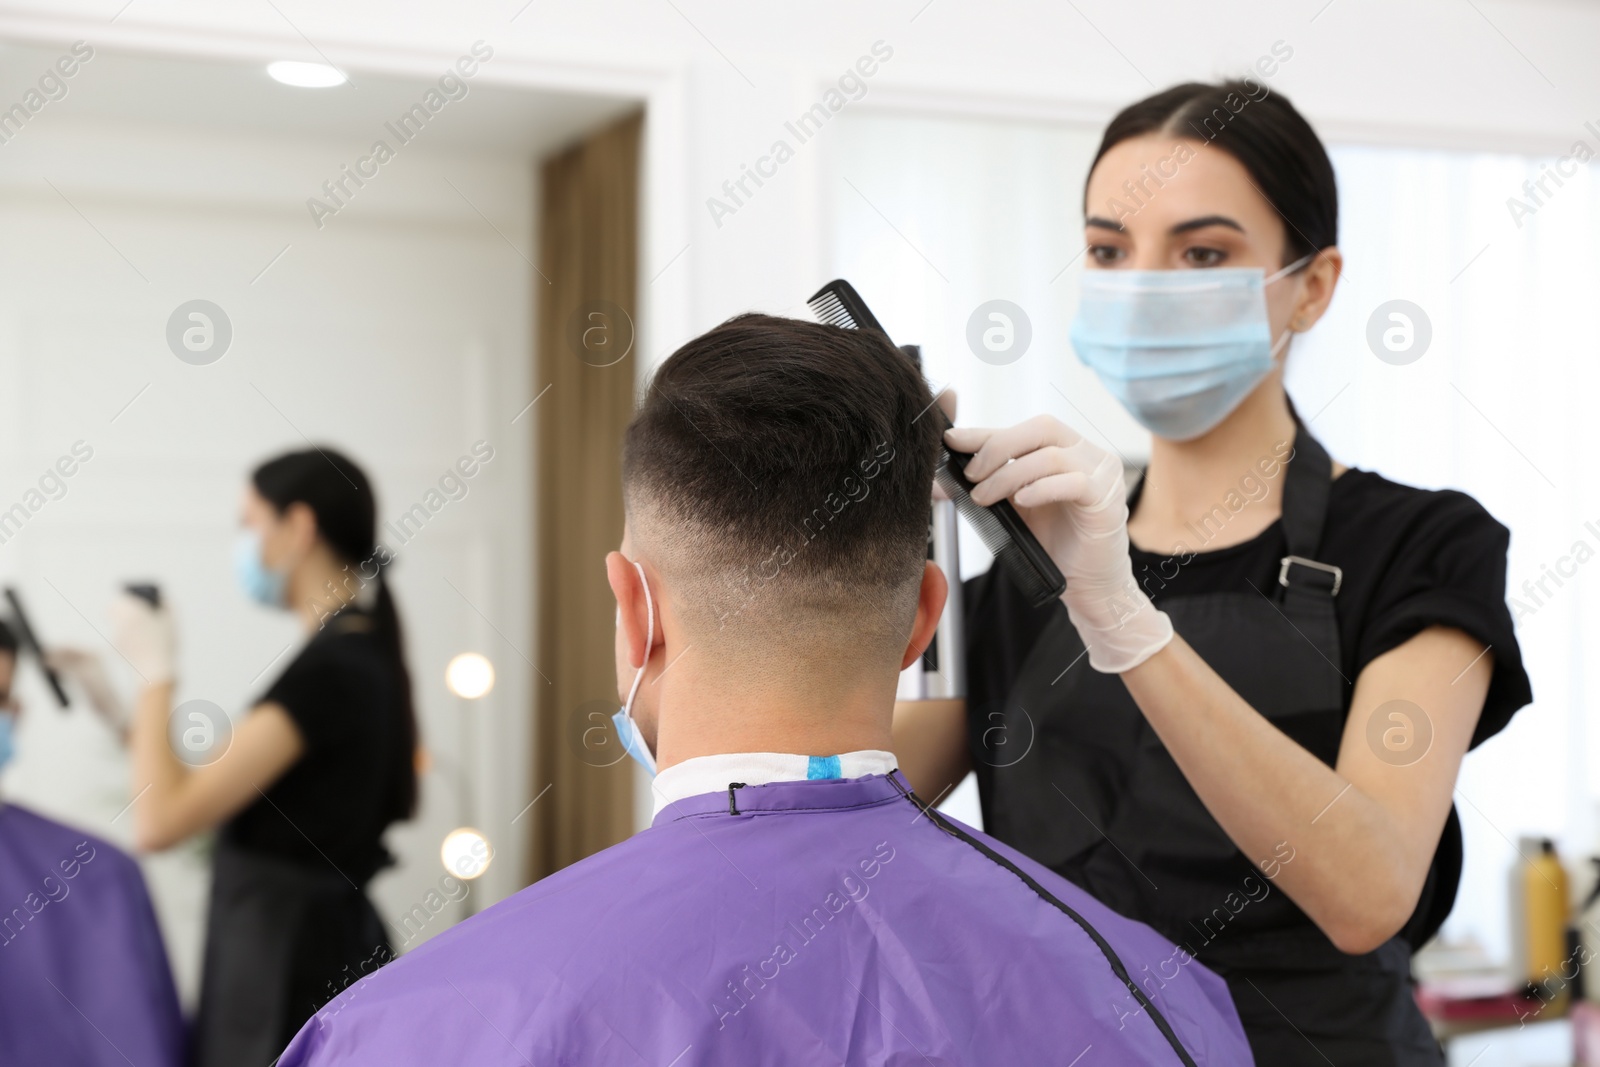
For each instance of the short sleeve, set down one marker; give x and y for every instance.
(312, 692)
(1450, 570)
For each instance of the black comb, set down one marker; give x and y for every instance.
(30, 641)
(1002, 529)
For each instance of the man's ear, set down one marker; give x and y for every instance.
(930, 606)
(632, 610)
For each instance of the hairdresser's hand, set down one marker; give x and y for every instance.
(89, 672)
(1072, 496)
(146, 638)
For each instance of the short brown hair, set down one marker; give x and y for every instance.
(773, 450)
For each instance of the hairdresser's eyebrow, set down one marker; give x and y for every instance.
(1202, 223)
(1104, 224)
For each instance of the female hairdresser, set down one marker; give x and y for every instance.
(1243, 722)
(314, 773)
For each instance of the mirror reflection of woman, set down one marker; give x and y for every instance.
(1244, 720)
(310, 779)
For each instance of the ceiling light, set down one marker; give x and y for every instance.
(305, 75)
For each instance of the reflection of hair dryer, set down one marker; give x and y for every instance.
(943, 669)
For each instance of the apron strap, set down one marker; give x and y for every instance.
(1307, 484)
(1305, 585)
(1305, 491)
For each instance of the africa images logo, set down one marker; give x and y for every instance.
(850, 87)
(452, 85)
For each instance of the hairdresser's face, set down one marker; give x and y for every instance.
(285, 538)
(1168, 203)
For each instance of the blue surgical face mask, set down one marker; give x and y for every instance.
(1179, 348)
(8, 748)
(628, 731)
(259, 582)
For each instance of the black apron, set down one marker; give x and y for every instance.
(1098, 799)
(281, 940)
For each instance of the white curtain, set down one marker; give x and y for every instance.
(1501, 406)
(931, 217)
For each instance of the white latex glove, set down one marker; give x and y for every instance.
(145, 637)
(89, 672)
(1071, 494)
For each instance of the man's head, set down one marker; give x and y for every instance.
(777, 481)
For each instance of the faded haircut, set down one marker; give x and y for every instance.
(778, 474)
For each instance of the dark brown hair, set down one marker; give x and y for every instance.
(793, 448)
(1263, 131)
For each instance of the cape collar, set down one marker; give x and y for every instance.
(754, 772)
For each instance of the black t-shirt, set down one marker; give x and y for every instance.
(1412, 558)
(333, 805)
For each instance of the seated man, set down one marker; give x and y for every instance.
(792, 901)
(83, 972)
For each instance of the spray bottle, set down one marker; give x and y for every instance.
(1539, 926)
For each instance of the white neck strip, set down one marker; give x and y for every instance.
(713, 774)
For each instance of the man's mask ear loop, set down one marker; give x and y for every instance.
(649, 637)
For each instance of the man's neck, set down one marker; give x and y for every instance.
(704, 710)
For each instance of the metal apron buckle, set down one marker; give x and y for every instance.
(1337, 572)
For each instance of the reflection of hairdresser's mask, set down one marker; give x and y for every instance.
(8, 725)
(1179, 348)
(259, 582)
(627, 726)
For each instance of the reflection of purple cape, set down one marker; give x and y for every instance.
(827, 922)
(83, 974)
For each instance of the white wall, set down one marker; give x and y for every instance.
(400, 332)
(723, 77)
